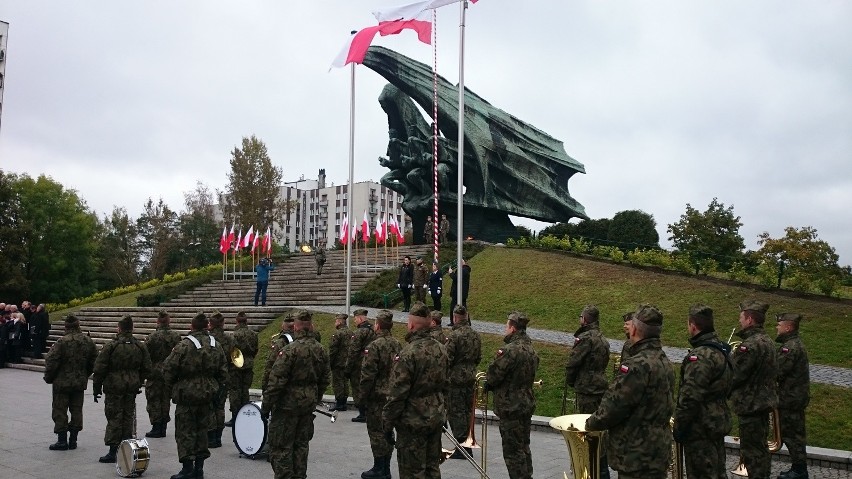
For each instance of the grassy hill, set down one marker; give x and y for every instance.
(553, 287)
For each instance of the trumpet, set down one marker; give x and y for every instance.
(773, 443)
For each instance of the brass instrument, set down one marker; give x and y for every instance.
(332, 415)
(306, 249)
(677, 467)
(584, 447)
(237, 357)
(734, 345)
(480, 400)
(773, 443)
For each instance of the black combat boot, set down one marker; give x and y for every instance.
(61, 443)
(186, 472)
(72, 439)
(158, 429)
(230, 422)
(110, 456)
(798, 471)
(386, 467)
(361, 417)
(339, 405)
(219, 436)
(211, 440)
(376, 472)
(199, 468)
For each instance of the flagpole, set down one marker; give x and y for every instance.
(460, 186)
(351, 181)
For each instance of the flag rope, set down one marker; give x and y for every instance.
(435, 130)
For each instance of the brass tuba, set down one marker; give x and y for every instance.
(584, 447)
(773, 443)
(480, 400)
(237, 357)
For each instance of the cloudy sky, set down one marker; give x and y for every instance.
(665, 103)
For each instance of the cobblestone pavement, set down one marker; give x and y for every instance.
(339, 450)
(819, 373)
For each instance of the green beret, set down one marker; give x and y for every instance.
(649, 314)
(701, 311)
(754, 305)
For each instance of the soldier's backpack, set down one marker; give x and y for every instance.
(201, 387)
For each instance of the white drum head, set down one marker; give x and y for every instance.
(249, 429)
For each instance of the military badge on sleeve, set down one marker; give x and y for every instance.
(624, 369)
(499, 352)
(693, 358)
(366, 352)
(743, 349)
(396, 358)
(785, 350)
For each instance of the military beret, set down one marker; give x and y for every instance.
(754, 305)
(701, 311)
(591, 312)
(649, 314)
(303, 315)
(341, 316)
(519, 318)
(627, 316)
(125, 323)
(419, 309)
(384, 318)
(241, 317)
(71, 320)
(162, 314)
(289, 318)
(359, 312)
(460, 310)
(794, 317)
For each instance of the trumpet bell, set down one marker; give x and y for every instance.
(237, 357)
(306, 249)
(584, 447)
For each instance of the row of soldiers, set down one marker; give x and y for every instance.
(755, 379)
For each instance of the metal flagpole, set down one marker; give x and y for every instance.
(460, 186)
(349, 188)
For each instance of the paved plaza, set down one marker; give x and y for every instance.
(339, 450)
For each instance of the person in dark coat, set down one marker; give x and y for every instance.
(405, 282)
(40, 328)
(436, 284)
(465, 282)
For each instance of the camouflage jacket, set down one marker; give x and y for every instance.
(437, 332)
(276, 347)
(245, 338)
(421, 275)
(444, 226)
(224, 341)
(358, 342)
(298, 378)
(625, 348)
(636, 410)
(196, 370)
(70, 361)
(377, 364)
(587, 361)
(755, 373)
(122, 366)
(794, 378)
(511, 374)
(705, 380)
(464, 351)
(319, 255)
(159, 345)
(417, 385)
(338, 348)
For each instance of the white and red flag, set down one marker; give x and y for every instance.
(267, 241)
(399, 234)
(344, 230)
(365, 228)
(254, 244)
(239, 244)
(231, 236)
(249, 236)
(223, 241)
(379, 233)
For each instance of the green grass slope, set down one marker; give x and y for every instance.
(552, 289)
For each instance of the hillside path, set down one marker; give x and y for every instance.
(819, 373)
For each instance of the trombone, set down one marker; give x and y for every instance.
(480, 400)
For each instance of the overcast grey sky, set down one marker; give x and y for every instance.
(665, 103)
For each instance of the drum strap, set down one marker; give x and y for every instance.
(289, 338)
(197, 343)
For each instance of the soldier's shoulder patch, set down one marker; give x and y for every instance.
(624, 369)
(743, 348)
(785, 350)
(352, 337)
(577, 341)
(500, 352)
(281, 353)
(366, 352)
(693, 358)
(396, 358)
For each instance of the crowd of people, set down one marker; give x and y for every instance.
(23, 331)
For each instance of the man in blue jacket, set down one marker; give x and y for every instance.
(263, 268)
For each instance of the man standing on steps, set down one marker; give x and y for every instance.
(120, 370)
(159, 344)
(428, 231)
(263, 268)
(67, 368)
(338, 350)
(283, 338)
(319, 256)
(362, 336)
(246, 340)
(226, 343)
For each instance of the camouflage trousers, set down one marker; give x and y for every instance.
(459, 409)
(63, 403)
(191, 425)
(588, 403)
(340, 385)
(515, 435)
(753, 449)
(158, 400)
(355, 386)
(793, 434)
(705, 458)
(120, 411)
(420, 293)
(378, 443)
(238, 391)
(289, 438)
(418, 453)
(217, 416)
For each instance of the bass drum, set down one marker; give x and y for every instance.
(250, 431)
(132, 457)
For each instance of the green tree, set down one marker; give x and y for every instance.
(199, 233)
(159, 242)
(712, 234)
(14, 286)
(633, 229)
(595, 232)
(808, 262)
(559, 230)
(251, 197)
(522, 232)
(119, 250)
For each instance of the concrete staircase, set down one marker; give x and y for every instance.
(294, 283)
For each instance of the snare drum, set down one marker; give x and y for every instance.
(250, 430)
(132, 457)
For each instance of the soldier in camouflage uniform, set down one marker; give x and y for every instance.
(359, 340)
(638, 406)
(753, 394)
(587, 362)
(627, 318)
(793, 392)
(421, 277)
(510, 375)
(702, 417)
(338, 350)
(196, 370)
(120, 370)
(296, 384)
(67, 367)
(428, 231)
(319, 256)
(464, 351)
(224, 341)
(436, 329)
(159, 345)
(238, 393)
(284, 338)
(444, 228)
(375, 380)
(416, 406)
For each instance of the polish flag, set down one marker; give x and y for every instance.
(344, 230)
(231, 235)
(365, 228)
(412, 10)
(399, 234)
(267, 241)
(223, 241)
(380, 234)
(254, 244)
(239, 244)
(249, 236)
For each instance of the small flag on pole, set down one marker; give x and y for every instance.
(365, 228)
(344, 230)
(223, 241)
